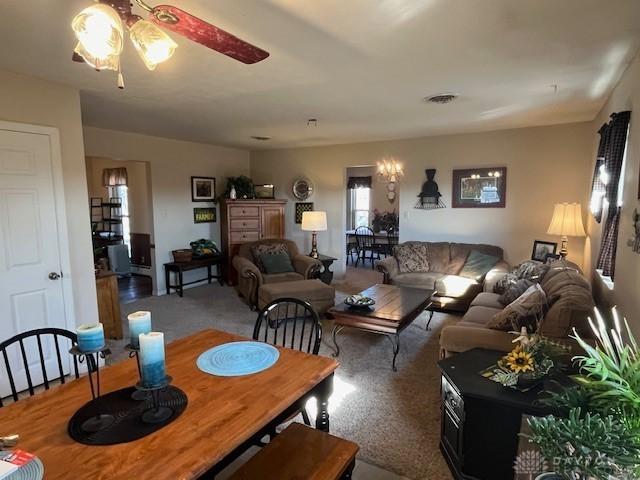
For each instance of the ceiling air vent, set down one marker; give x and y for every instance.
(442, 98)
(260, 138)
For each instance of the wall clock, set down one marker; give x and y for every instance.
(302, 188)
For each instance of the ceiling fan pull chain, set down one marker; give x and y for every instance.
(120, 77)
(144, 6)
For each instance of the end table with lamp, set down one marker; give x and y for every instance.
(566, 222)
(314, 222)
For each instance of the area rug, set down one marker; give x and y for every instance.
(394, 417)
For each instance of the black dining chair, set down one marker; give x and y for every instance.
(366, 241)
(31, 367)
(290, 323)
(392, 241)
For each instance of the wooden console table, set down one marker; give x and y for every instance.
(180, 267)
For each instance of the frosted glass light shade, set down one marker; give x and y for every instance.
(567, 220)
(100, 34)
(153, 45)
(314, 221)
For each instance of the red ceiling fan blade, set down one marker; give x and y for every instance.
(206, 34)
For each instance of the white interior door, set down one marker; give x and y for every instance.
(31, 293)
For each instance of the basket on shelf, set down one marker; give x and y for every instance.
(183, 255)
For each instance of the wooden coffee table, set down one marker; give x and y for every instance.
(395, 309)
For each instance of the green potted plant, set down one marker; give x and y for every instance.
(599, 436)
(243, 186)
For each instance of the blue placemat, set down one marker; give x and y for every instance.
(238, 358)
(34, 470)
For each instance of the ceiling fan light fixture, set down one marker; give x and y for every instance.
(100, 34)
(153, 45)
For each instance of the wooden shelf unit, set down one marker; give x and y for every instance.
(244, 221)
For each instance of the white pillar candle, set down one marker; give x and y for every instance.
(152, 358)
(90, 337)
(139, 322)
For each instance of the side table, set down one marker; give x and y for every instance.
(326, 276)
(481, 419)
(180, 267)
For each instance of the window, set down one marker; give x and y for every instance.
(360, 207)
(122, 192)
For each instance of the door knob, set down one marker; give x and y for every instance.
(54, 276)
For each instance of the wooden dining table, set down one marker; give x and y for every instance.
(224, 415)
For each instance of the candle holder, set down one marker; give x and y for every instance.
(134, 351)
(100, 421)
(157, 413)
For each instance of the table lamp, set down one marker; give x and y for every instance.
(566, 222)
(314, 222)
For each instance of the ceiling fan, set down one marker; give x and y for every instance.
(100, 33)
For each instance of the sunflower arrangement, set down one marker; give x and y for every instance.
(533, 359)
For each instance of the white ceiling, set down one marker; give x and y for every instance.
(361, 67)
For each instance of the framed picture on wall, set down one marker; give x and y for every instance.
(204, 215)
(480, 188)
(265, 191)
(203, 189)
(543, 249)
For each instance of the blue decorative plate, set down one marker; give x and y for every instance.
(34, 470)
(238, 358)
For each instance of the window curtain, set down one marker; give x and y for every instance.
(613, 158)
(114, 177)
(358, 182)
(597, 185)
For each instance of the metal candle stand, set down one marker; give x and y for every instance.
(100, 421)
(157, 413)
(134, 351)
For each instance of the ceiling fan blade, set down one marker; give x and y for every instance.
(193, 28)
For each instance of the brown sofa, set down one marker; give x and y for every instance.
(570, 304)
(250, 277)
(446, 260)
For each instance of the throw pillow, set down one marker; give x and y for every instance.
(525, 311)
(411, 257)
(267, 248)
(276, 263)
(532, 270)
(478, 265)
(515, 290)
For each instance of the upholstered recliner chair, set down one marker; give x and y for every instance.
(252, 274)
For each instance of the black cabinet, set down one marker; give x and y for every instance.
(481, 419)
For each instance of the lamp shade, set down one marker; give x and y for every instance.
(153, 45)
(567, 220)
(100, 36)
(314, 221)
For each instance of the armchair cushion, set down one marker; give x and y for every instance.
(272, 248)
(282, 277)
(276, 263)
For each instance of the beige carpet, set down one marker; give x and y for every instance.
(394, 417)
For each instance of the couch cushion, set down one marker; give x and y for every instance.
(457, 287)
(487, 299)
(522, 312)
(460, 252)
(515, 290)
(411, 257)
(478, 265)
(417, 280)
(439, 257)
(559, 280)
(570, 309)
(479, 315)
(282, 277)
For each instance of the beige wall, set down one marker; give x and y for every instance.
(626, 96)
(30, 100)
(172, 163)
(138, 175)
(545, 165)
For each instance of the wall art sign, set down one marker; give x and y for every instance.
(430, 197)
(204, 215)
(302, 207)
(480, 188)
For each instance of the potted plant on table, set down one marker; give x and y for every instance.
(599, 438)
